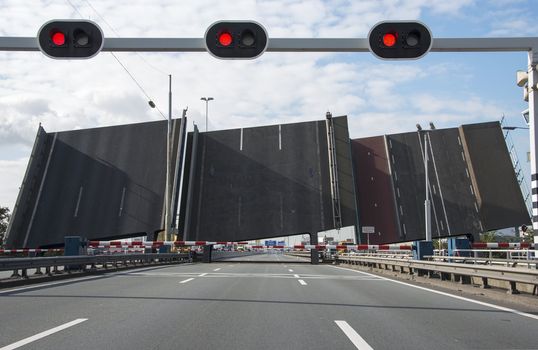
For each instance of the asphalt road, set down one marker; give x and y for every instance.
(233, 305)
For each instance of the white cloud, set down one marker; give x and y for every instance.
(276, 88)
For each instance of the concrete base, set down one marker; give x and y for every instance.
(206, 255)
(314, 257)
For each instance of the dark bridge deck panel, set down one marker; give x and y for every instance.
(472, 183)
(375, 193)
(263, 182)
(499, 197)
(100, 183)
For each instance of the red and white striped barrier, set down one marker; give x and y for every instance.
(191, 243)
(356, 247)
(137, 246)
(120, 244)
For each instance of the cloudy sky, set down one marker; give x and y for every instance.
(379, 97)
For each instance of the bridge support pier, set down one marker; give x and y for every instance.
(206, 257)
(314, 254)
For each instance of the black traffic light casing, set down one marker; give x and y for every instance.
(236, 39)
(81, 39)
(411, 40)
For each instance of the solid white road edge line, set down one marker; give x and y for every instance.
(502, 308)
(302, 282)
(184, 281)
(355, 338)
(43, 334)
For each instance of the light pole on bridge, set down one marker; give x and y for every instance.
(206, 99)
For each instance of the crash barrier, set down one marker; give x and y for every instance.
(450, 271)
(53, 264)
(498, 253)
(508, 262)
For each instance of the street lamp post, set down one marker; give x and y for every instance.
(206, 99)
(167, 195)
(168, 206)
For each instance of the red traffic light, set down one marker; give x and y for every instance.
(58, 38)
(70, 39)
(399, 40)
(389, 39)
(235, 40)
(225, 39)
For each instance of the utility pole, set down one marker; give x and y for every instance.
(533, 108)
(427, 204)
(206, 99)
(167, 221)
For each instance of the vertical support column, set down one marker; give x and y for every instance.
(314, 254)
(427, 204)
(335, 189)
(206, 257)
(190, 186)
(533, 126)
(167, 220)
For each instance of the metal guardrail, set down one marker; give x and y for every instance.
(82, 262)
(508, 253)
(531, 263)
(450, 271)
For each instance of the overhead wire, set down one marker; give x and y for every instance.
(118, 35)
(118, 60)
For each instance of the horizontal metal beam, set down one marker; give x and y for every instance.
(287, 44)
(18, 44)
(484, 44)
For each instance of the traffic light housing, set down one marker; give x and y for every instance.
(236, 39)
(70, 39)
(400, 40)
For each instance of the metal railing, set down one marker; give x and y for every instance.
(84, 262)
(448, 270)
(529, 263)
